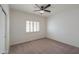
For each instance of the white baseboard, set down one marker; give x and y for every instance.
(26, 41)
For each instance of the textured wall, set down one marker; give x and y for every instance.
(64, 27)
(18, 27)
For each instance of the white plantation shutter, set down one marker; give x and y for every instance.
(32, 26)
(27, 26)
(38, 27)
(35, 27)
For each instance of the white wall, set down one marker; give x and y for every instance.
(6, 8)
(18, 27)
(64, 27)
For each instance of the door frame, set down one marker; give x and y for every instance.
(5, 26)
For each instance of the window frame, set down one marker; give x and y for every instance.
(37, 29)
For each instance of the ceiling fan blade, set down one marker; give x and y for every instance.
(47, 6)
(37, 5)
(47, 10)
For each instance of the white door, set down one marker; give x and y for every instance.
(2, 31)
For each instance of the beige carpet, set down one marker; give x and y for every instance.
(43, 46)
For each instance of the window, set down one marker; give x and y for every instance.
(32, 26)
(27, 26)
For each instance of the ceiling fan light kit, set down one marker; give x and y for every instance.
(42, 12)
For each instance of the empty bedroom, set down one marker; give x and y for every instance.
(39, 28)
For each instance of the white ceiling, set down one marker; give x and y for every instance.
(55, 8)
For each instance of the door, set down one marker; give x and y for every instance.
(2, 31)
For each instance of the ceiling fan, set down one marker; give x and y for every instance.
(43, 8)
